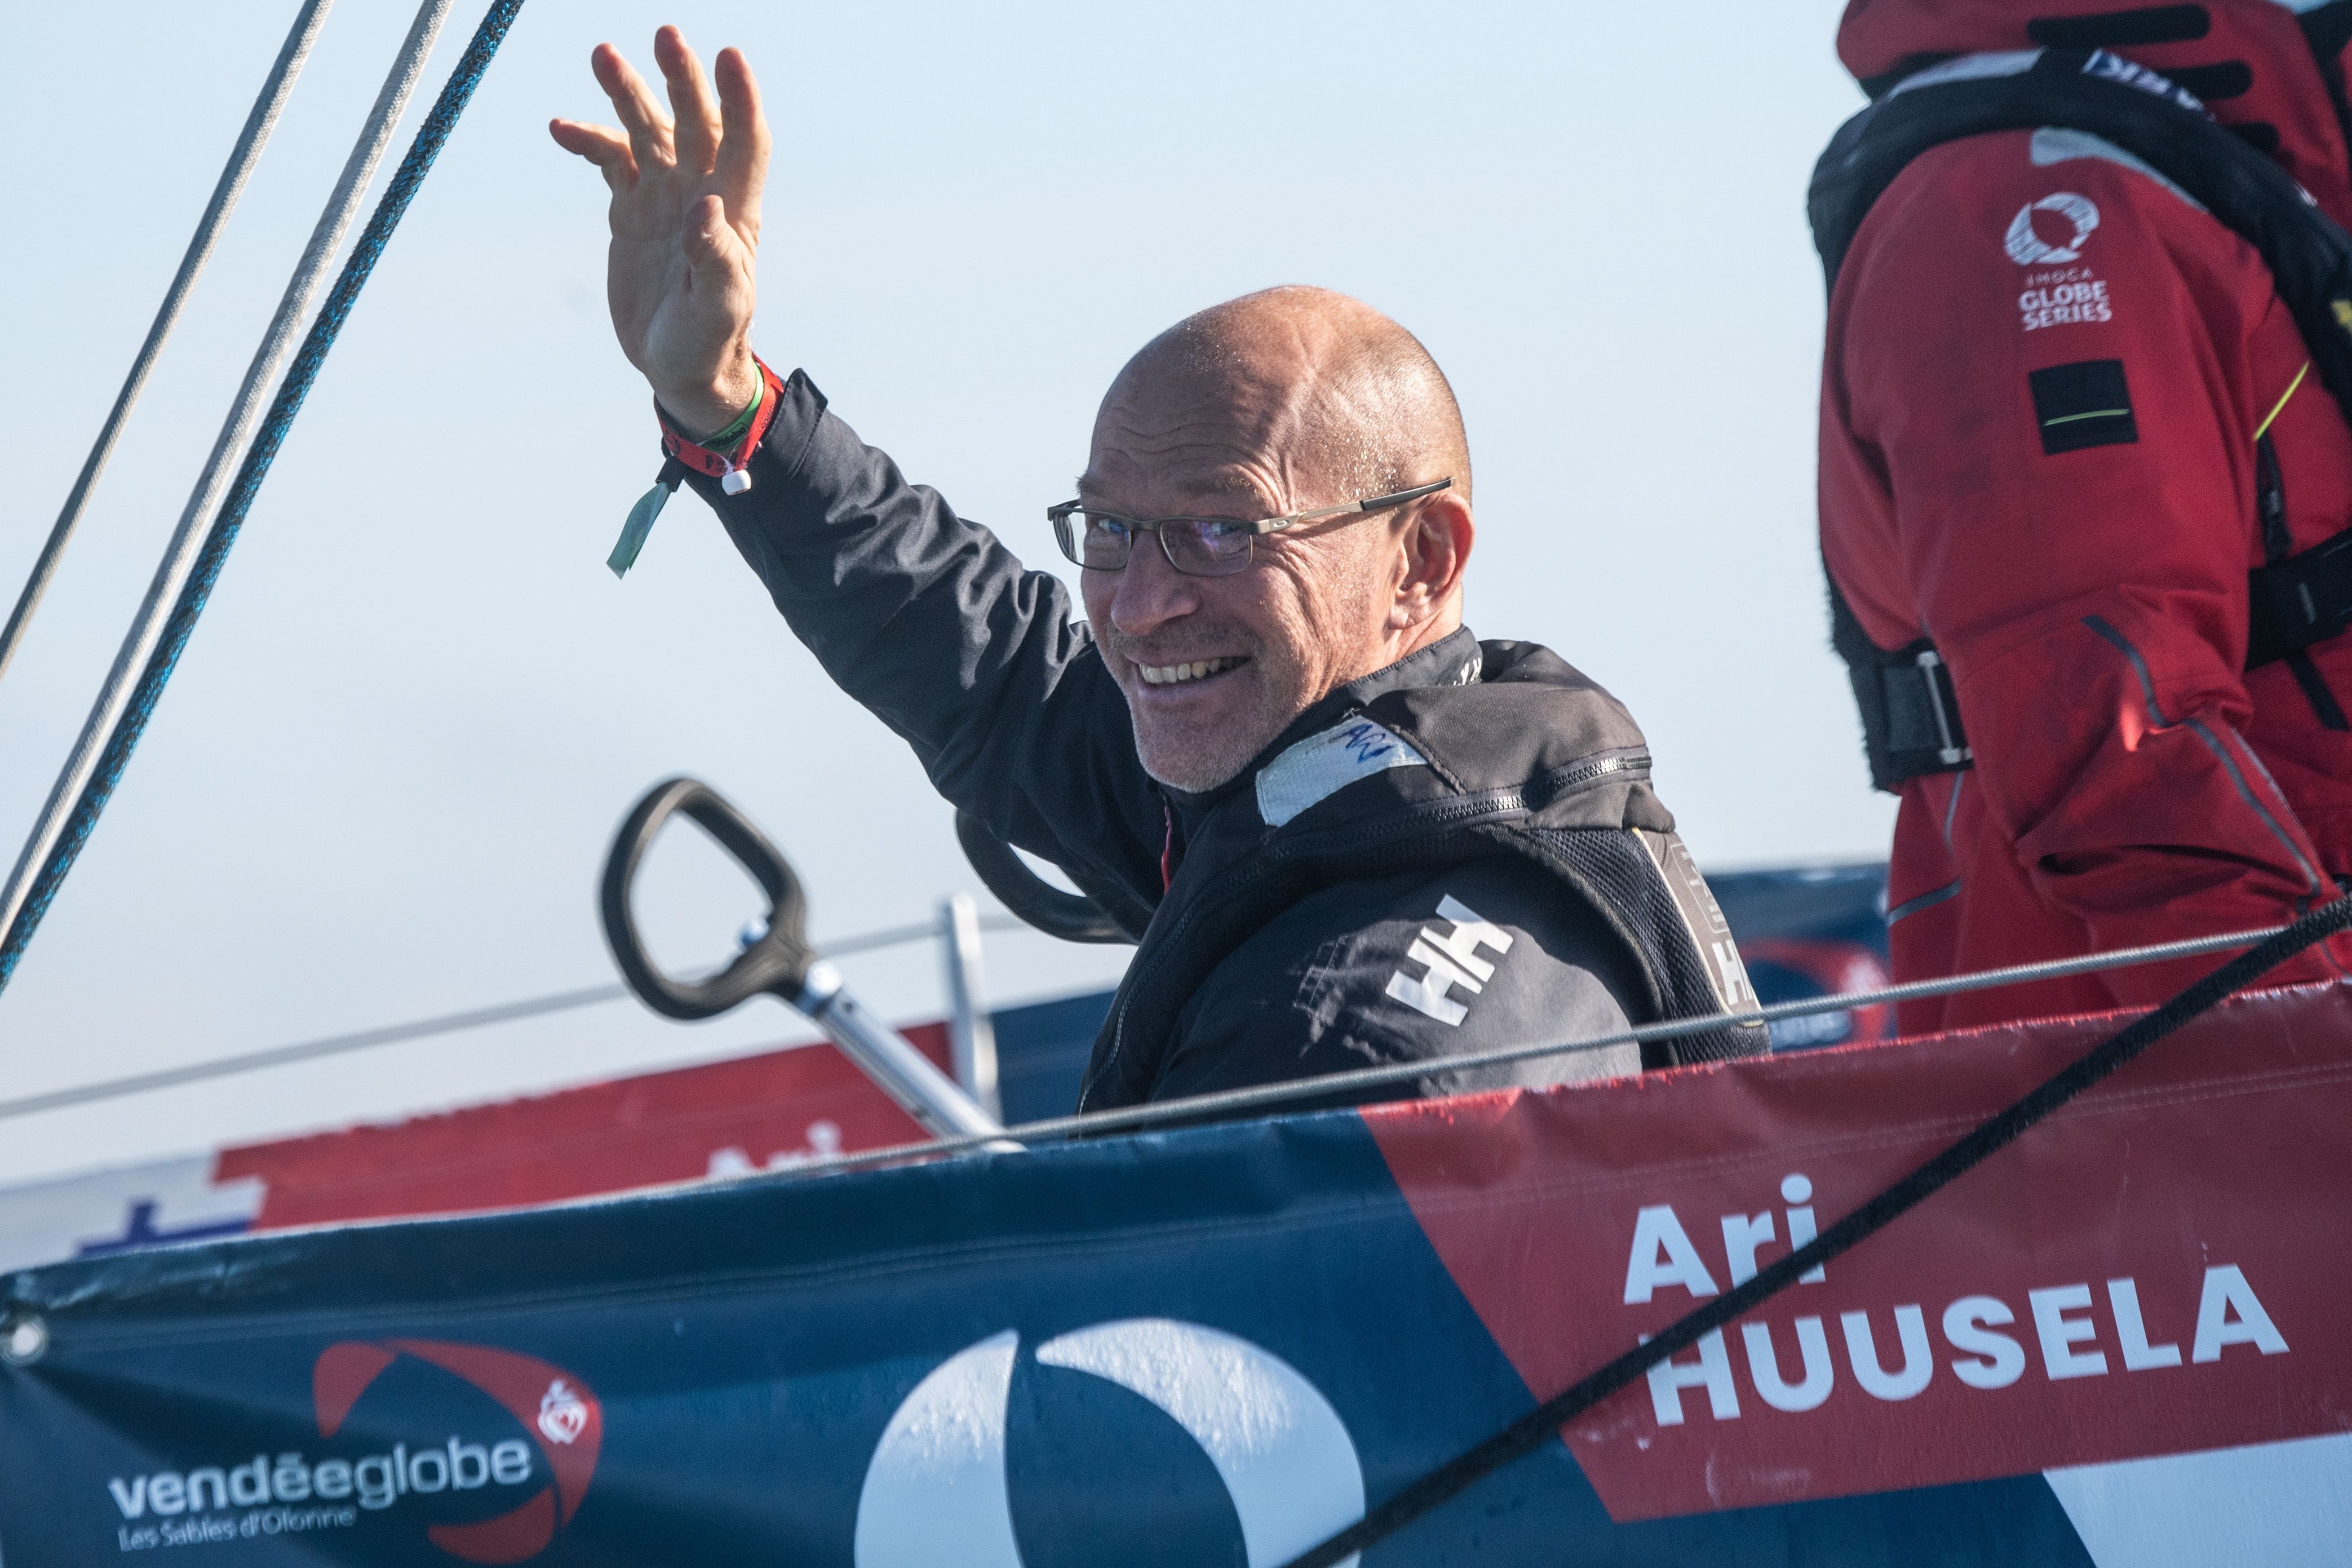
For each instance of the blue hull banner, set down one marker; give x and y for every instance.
(2122, 1342)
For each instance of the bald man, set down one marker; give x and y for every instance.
(1346, 832)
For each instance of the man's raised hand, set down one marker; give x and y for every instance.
(681, 277)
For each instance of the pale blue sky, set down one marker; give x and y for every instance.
(382, 784)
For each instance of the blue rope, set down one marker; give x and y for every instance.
(430, 137)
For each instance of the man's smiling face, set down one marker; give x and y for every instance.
(1215, 668)
(1279, 402)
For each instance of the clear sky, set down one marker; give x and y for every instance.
(381, 784)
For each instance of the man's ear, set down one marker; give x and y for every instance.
(1433, 550)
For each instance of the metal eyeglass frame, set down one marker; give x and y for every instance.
(1059, 516)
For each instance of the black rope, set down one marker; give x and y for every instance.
(1531, 1431)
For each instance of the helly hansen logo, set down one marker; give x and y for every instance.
(1450, 962)
(1730, 975)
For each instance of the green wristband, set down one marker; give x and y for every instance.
(743, 422)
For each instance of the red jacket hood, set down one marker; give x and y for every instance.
(2250, 61)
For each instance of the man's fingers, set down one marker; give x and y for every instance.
(742, 166)
(689, 95)
(634, 102)
(601, 145)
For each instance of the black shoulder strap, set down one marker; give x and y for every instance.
(1607, 870)
(2310, 257)
(1909, 713)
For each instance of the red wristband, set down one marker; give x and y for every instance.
(728, 466)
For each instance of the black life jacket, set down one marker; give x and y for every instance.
(1516, 755)
(1911, 723)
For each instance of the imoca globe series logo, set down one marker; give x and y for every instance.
(2067, 210)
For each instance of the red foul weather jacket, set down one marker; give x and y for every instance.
(2076, 544)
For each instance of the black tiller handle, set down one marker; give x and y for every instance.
(1073, 917)
(777, 964)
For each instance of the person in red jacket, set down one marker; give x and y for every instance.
(2063, 415)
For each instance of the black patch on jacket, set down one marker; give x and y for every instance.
(2083, 404)
(2121, 29)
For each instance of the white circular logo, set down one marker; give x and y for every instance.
(935, 1490)
(2028, 248)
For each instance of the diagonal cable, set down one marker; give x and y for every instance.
(241, 161)
(1534, 1429)
(1290, 1091)
(158, 637)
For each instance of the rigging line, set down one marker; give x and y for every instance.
(259, 123)
(52, 844)
(185, 579)
(1224, 1102)
(418, 1029)
(311, 1050)
(1532, 1430)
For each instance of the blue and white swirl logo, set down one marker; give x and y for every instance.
(936, 1491)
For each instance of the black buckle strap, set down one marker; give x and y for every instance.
(1923, 734)
(1910, 711)
(2302, 600)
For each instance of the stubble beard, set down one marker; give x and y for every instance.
(1196, 755)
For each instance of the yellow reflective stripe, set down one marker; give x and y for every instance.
(2273, 414)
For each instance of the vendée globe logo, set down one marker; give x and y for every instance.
(293, 1493)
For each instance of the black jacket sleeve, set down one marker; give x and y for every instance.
(1423, 966)
(986, 670)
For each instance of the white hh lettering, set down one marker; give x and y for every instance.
(1731, 976)
(1452, 961)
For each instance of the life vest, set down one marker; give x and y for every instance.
(1911, 721)
(1538, 764)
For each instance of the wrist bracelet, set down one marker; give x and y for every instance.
(717, 457)
(725, 440)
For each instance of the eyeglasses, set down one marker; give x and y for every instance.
(1196, 546)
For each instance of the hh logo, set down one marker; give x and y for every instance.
(555, 1405)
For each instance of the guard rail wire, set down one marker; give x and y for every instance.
(54, 845)
(171, 573)
(1274, 1096)
(416, 1029)
(259, 124)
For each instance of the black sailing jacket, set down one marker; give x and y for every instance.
(1457, 852)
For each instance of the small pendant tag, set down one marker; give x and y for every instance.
(633, 531)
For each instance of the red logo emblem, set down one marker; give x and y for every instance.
(555, 1406)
